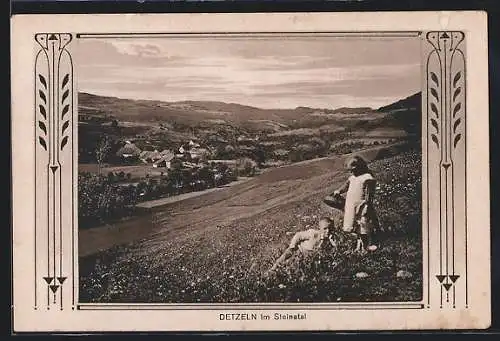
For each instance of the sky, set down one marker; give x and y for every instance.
(318, 72)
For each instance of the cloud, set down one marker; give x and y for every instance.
(96, 53)
(140, 50)
(321, 72)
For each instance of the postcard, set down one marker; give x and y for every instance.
(250, 172)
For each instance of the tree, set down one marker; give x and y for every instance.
(175, 164)
(175, 177)
(102, 151)
(206, 174)
(260, 155)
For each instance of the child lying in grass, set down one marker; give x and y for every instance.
(308, 241)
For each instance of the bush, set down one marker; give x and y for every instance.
(111, 176)
(100, 201)
(245, 167)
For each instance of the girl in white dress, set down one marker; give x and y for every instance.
(359, 214)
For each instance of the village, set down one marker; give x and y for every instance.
(192, 163)
(127, 170)
(189, 155)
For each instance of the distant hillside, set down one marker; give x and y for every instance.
(190, 112)
(405, 114)
(399, 119)
(162, 125)
(414, 101)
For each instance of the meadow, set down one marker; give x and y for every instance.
(219, 249)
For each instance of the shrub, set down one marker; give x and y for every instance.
(100, 201)
(245, 167)
(111, 176)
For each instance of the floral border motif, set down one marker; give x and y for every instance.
(53, 131)
(445, 104)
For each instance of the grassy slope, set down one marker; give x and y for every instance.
(215, 263)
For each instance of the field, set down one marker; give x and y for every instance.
(219, 246)
(136, 171)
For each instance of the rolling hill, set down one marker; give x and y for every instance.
(405, 114)
(167, 123)
(193, 112)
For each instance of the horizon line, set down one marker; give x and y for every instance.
(244, 105)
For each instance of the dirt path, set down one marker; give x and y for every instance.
(158, 203)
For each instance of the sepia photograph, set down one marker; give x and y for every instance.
(199, 172)
(250, 168)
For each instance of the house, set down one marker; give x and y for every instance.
(150, 156)
(193, 144)
(144, 156)
(155, 155)
(199, 153)
(165, 152)
(169, 164)
(128, 151)
(165, 161)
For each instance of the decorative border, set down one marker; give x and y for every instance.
(445, 102)
(54, 168)
(444, 172)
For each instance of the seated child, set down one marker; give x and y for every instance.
(308, 241)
